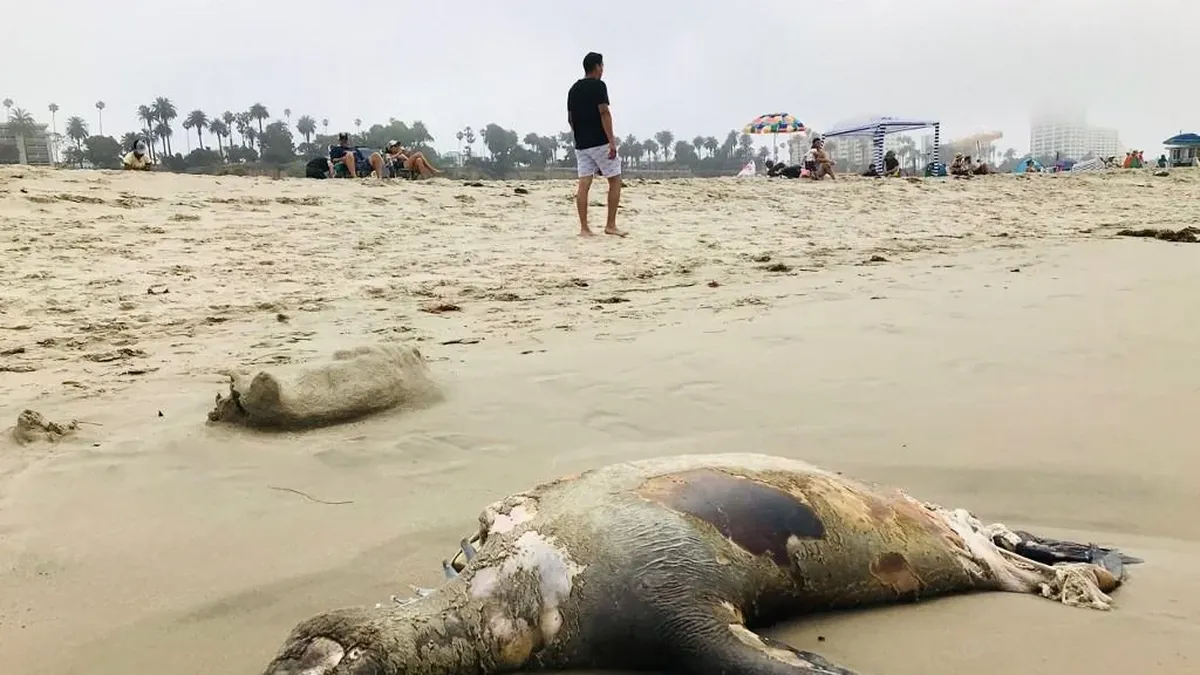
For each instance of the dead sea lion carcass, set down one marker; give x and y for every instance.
(670, 564)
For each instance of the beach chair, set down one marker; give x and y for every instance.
(398, 171)
(360, 158)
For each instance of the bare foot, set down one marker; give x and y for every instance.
(586, 232)
(615, 232)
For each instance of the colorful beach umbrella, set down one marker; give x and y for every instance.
(775, 123)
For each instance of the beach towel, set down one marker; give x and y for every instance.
(353, 383)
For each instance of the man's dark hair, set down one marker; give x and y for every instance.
(592, 60)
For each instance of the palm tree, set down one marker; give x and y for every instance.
(651, 148)
(8, 104)
(357, 125)
(22, 118)
(469, 139)
(77, 130)
(287, 114)
(129, 139)
(629, 147)
(666, 141)
(259, 112)
(746, 142)
(151, 138)
(53, 107)
(100, 118)
(230, 121)
(698, 144)
(217, 128)
(164, 111)
(187, 124)
(712, 146)
(307, 126)
(325, 125)
(199, 121)
(22, 124)
(163, 131)
(148, 118)
(730, 144)
(242, 120)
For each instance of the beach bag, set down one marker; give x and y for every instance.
(317, 168)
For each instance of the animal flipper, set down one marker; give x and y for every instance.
(733, 648)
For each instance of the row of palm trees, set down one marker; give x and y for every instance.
(158, 118)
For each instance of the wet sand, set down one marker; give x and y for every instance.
(1028, 367)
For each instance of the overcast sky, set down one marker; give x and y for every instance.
(694, 67)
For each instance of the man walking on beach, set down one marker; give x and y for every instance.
(595, 143)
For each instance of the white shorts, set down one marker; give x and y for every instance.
(591, 160)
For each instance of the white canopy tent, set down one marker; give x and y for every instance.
(878, 127)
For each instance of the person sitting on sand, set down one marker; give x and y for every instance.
(960, 166)
(355, 160)
(891, 165)
(1031, 167)
(137, 159)
(397, 156)
(1162, 161)
(779, 169)
(818, 162)
(981, 168)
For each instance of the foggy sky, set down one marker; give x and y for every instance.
(694, 67)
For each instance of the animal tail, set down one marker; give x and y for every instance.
(1082, 574)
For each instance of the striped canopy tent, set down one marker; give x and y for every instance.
(878, 127)
(775, 124)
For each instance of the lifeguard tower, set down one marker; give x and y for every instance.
(1182, 150)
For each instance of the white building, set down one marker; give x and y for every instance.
(1070, 137)
(1104, 142)
(33, 147)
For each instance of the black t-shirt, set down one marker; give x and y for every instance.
(583, 102)
(890, 163)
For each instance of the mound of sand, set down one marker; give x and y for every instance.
(32, 426)
(354, 383)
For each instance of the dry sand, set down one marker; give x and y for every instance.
(1008, 355)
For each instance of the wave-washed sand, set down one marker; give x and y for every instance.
(987, 344)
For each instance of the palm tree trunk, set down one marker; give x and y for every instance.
(199, 138)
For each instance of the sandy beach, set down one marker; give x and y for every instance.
(987, 344)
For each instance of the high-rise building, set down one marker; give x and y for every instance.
(32, 148)
(1103, 142)
(1068, 136)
